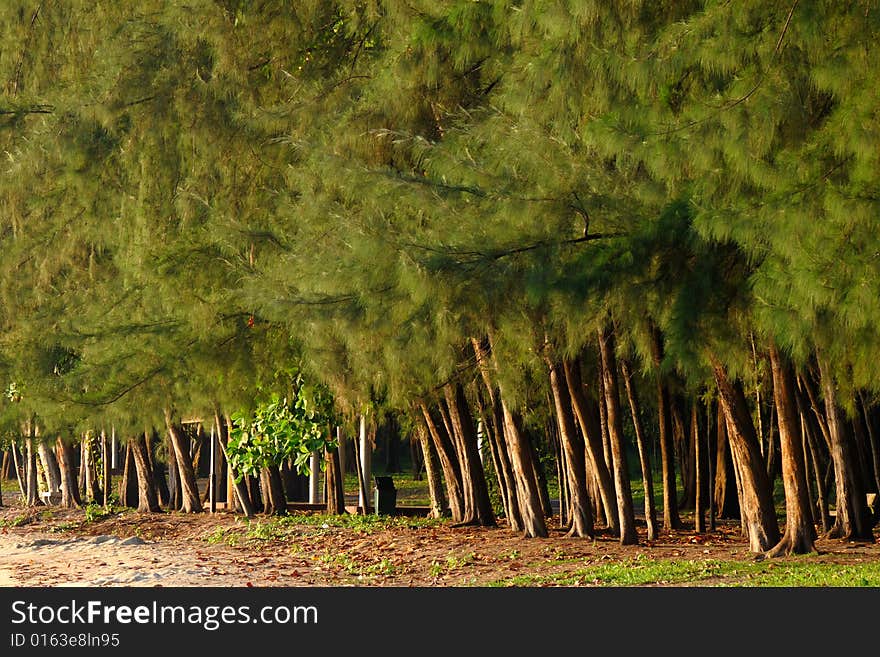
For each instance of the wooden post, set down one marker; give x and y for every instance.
(212, 475)
(366, 464)
(314, 466)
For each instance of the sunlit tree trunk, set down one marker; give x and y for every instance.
(756, 500)
(190, 500)
(799, 530)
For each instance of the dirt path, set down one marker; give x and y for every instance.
(60, 548)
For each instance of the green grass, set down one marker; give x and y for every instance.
(643, 571)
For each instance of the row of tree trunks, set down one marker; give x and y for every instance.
(501, 453)
(626, 514)
(190, 500)
(671, 518)
(586, 410)
(579, 510)
(475, 492)
(448, 463)
(644, 458)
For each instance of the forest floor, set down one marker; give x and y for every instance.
(59, 547)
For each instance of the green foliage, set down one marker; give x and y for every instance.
(280, 429)
(643, 571)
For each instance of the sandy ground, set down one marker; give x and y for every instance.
(60, 548)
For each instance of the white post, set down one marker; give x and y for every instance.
(366, 464)
(212, 476)
(113, 449)
(480, 435)
(314, 466)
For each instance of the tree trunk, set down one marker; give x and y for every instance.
(580, 514)
(106, 480)
(448, 462)
(392, 446)
(128, 488)
(587, 413)
(644, 457)
(607, 457)
(671, 519)
(510, 495)
(852, 521)
(528, 493)
(863, 448)
(478, 507)
(33, 491)
(148, 501)
(94, 494)
(432, 471)
(539, 475)
(756, 500)
(799, 530)
(175, 492)
(191, 503)
(725, 496)
(699, 511)
(51, 470)
(239, 487)
(495, 449)
(335, 491)
(683, 440)
(626, 514)
(19, 474)
(872, 440)
(70, 498)
(276, 502)
(363, 493)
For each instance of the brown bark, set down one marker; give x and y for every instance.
(579, 513)
(671, 519)
(128, 488)
(335, 491)
(237, 495)
(644, 457)
(799, 530)
(33, 491)
(626, 514)
(684, 445)
(699, 510)
(432, 472)
(531, 505)
(448, 462)
(18, 470)
(148, 501)
(508, 479)
(852, 520)
(495, 448)
(587, 413)
(756, 501)
(51, 470)
(478, 507)
(106, 481)
(70, 498)
(190, 500)
(725, 496)
(276, 502)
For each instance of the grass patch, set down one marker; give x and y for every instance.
(644, 571)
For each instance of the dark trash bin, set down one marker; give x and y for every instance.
(385, 496)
